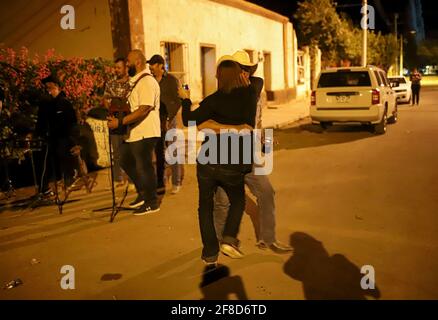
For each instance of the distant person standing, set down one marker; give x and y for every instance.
(415, 86)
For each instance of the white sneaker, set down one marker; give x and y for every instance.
(231, 251)
(176, 189)
(137, 203)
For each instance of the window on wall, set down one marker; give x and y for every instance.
(267, 71)
(174, 56)
(251, 55)
(300, 65)
(208, 69)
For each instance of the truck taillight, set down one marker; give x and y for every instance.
(313, 98)
(375, 97)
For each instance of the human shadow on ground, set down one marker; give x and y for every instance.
(184, 276)
(324, 277)
(309, 135)
(31, 203)
(218, 284)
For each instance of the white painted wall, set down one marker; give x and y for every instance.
(295, 63)
(36, 25)
(197, 22)
(290, 55)
(303, 90)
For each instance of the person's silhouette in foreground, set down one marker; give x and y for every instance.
(324, 276)
(217, 284)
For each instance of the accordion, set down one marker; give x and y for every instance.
(119, 108)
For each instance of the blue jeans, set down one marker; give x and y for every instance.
(262, 189)
(177, 168)
(232, 182)
(136, 161)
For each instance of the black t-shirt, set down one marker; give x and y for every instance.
(57, 121)
(235, 108)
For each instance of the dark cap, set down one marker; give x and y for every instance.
(50, 78)
(156, 59)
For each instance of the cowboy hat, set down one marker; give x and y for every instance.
(242, 58)
(226, 57)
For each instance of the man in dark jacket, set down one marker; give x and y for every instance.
(57, 123)
(170, 105)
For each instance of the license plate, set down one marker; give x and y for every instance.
(342, 99)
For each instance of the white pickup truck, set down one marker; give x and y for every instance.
(354, 95)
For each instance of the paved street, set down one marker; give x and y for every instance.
(345, 197)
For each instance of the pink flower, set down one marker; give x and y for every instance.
(24, 53)
(49, 54)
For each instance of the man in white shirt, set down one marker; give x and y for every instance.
(143, 133)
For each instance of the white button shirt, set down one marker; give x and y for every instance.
(145, 93)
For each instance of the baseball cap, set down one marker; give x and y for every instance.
(156, 59)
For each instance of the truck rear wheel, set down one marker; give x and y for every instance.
(380, 128)
(394, 117)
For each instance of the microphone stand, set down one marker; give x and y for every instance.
(39, 201)
(114, 208)
(58, 202)
(51, 143)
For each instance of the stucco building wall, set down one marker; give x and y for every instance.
(36, 25)
(196, 23)
(224, 26)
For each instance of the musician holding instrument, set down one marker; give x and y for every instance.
(116, 89)
(143, 131)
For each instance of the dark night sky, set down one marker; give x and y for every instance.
(430, 16)
(430, 12)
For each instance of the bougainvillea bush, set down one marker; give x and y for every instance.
(20, 78)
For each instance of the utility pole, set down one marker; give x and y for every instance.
(365, 31)
(401, 54)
